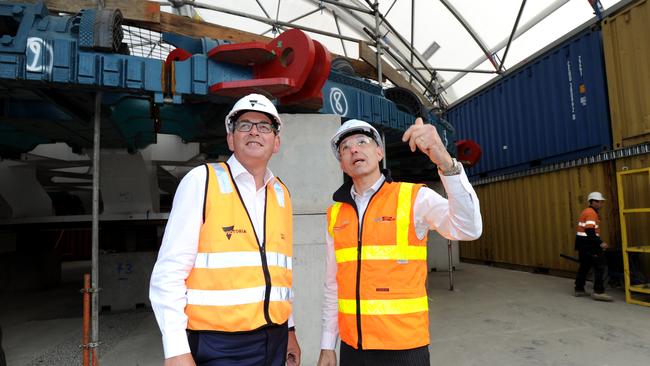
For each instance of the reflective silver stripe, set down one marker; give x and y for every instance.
(585, 234)
(237, 297)
(590, 222)
(279, 193)
(583, 224)
(223, 178)
(241, 259)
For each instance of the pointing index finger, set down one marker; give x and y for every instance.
(409, 131)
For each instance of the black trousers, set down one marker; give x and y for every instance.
(591, 258)
(408, 357)
(263, 347)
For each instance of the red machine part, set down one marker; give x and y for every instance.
(468, 152)
(245, 54)
(178, 54)
(291, 67)
(169, 82)
(311, 94)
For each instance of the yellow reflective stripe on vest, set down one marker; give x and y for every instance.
(384, 307)
(237, 297)
(241, 259)
(223, 178)
(279, 193)
(403, 219)
(382, 252)
(334, 213)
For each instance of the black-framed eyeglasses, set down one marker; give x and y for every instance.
(262, 127)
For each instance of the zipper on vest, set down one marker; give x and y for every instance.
(358, 289)
(265, 266)
(267, 279)
(358, 293)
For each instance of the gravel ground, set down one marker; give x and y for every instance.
(113, 327)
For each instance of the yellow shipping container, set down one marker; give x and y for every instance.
(626, 43)
(530, 221)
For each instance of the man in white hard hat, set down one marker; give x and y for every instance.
(221, 288)
(591, 248)
(376, 267)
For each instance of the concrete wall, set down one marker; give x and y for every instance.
(128, 183)
(305, 162)
(307, 166)
(124, 279)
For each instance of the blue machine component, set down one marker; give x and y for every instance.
(192, 45)
(351, 97)
(57, 62)
(552, 109)
(195, 75)
(68, 50)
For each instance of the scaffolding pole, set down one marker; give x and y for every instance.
(95, 235)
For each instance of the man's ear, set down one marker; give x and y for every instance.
(231, 143)
(276, 144)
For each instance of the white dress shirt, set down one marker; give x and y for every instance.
(180, 245)
(458, 218)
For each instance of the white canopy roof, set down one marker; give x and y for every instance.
(418, 36)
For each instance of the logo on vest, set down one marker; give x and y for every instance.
(229, 230)
(384, 219)
(340, 226)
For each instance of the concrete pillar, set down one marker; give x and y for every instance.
(21, 195)
(128, 183)
(306, 165)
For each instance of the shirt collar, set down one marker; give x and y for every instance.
(237, 170)
(370, 190)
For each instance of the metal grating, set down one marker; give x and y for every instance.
(146, 43)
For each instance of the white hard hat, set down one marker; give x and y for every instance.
(351, 127)
(254, 103)
(596, 196)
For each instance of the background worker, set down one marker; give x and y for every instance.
(376, 266)
(591, 248)
(221, 288)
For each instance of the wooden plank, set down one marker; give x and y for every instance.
(194, 28)
(140, 11)
(369, 56)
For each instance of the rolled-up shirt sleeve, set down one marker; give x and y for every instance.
(457, 217)
(176, 257)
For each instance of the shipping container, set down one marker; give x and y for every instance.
(530, 221)
(551, 109)
(626, 42)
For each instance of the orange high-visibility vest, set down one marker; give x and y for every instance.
(589, 219)
(381, 272)
(238, 284)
